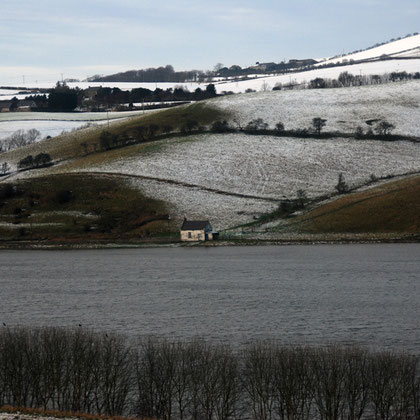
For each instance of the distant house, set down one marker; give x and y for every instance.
(303, 62)
(5, 106)
(25, 105)
(16, 105)
(197, 230)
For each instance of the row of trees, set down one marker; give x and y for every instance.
(381, 128)
(152, 74)
(168, 74)
(346, 79)
(109, 140)
(79, 370)
(63, 98)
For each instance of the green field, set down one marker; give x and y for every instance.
(79, 208)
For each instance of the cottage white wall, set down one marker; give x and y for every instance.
(196, 235)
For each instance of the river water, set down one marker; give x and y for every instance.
(309, 294)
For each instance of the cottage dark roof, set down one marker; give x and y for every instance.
(194, 224)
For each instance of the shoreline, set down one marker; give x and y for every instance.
(350, 240)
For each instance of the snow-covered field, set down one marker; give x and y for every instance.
(54, 123)
(408, 46)
(46, 128)
(195, 203)
(264, 167)
(261, 82)
(364, 69)
(7, 92)
(344, 108)
(270, 167)
(65, 116)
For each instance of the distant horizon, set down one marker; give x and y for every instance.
(46, 41)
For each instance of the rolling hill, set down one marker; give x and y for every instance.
(235, 178)
(405, 47)
(381, 212)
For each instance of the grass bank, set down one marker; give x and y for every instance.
(393, 207)
(72, 208)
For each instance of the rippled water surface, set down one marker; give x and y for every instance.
(367, 294)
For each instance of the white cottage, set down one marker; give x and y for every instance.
(197, 230)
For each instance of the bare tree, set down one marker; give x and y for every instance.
(328, 369)
(5, 168)
(258, 376)
(293, 383)
(318, 124)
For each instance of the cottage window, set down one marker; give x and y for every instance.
(189, 235)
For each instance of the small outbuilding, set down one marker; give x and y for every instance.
(197, 230)
(5, 106)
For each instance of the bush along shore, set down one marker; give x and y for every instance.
(79, 370)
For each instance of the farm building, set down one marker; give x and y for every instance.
(197, 230)
(16, 105)
(5, 106)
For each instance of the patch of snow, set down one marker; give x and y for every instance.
(46, 128)
(270, 167)
(194, 203)
(263, 167)
(390, 48)
(8, 225)
(304, 77)
(343, 108)
(54, 123)
(5, 97)
(66, 116)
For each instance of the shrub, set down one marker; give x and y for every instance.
(106, 140)
(257, 124)
(341, 186)
(317, 83)
(63, 196)
(280, 127)
(221, 127)
(41, 159)
(7, 191)
(26, 163)
(384, 128)
(359, 132)
(318, 124)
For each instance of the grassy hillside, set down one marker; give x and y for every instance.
(69, 145)
(79, 208)
(390, 208)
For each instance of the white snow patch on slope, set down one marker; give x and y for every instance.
(344, 108)
(46, 128)
(54, 123)
(364, 69)
(390, 48)
(260, 166)
(223, 210)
